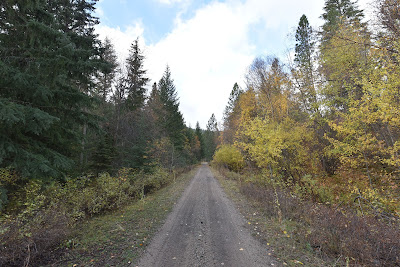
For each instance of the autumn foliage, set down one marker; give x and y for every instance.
(326, 126)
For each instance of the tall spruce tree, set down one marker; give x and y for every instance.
(233, 98)
(199, 134)
(304, 74)
(106, 77)
(336, 12)
(211, 137)
(156, 113)
(136, 77)
(48, 56)
(230, 116)
(305, 44)
(173, 121)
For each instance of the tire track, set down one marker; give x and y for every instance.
(205, 229)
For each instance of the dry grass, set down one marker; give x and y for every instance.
(19, 248)
(338, 237)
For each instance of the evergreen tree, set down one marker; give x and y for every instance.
(344, 49)
(104, 153)
(136, 79)
(156, 113)
(233, 98)
(199, 134)
(211, 137)
(48, 58)
(106, 78)
(173, 121)
(231, 114)
(336, 12)
(304, 73)
(304, 43)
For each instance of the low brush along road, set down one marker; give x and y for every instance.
(205, 229)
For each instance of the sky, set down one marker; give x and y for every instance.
(208, 44)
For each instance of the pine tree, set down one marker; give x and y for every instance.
(231, 114)
(104, 153)
(233, 98)
(173, 121)
(304, 43)
(337, 12)
(136, 79)
(304, 70)
(199, 134)
(48, 58)
(156, 113)
(211, 137)
(106, 78)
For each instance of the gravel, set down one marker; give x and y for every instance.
(205, 229)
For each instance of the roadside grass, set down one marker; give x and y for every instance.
(282, 238)
(119, 238)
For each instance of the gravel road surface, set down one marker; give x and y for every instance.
(205, 229)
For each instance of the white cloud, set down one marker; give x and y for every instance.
(169, 2)
(122, 39)
(207, 55)
(211, 51)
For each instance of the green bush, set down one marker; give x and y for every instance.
(40, 209)
(230, 157)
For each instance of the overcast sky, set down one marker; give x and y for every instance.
(207, 44)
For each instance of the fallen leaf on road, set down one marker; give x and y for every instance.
(241, 249)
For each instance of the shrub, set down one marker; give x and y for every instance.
(365, 241)
(41, 214)
(230, 157)
(7, 178)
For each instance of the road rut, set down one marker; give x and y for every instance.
(205, 229)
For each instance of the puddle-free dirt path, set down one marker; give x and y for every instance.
(205, 229)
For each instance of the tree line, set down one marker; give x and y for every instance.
(329, 118)
(80, 133)
(68, 108)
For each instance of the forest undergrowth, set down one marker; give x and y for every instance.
(40, 216)
(315, 233)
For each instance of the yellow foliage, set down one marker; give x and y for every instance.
(229, 156)
(267, 142)
(367, 136)
(343, 59)
(7, 176)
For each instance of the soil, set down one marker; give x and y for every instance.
(205, 229)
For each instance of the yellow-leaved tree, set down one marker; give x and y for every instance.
(273, 139)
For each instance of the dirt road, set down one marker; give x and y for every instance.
(205, 229)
